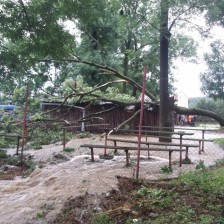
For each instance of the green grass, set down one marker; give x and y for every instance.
(68, 149)
(195, 197)
(219, 141)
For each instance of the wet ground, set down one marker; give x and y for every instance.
(23, 200)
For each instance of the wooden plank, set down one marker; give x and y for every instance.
(126, 149)
(183, 128)
(131, 148)
(152, 143)
(150, 132)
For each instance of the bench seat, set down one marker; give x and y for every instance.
(200, 141)
(115, 140)
(126, 149)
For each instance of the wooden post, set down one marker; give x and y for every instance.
(105, 148)
(92, 154)
(140, 122)
(181, 149)
(203, 136)
(64, 138)
(170, 152)
(127, 157)
(200, 147)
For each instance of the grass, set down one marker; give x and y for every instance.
(68, 149)
(219, 141)
(194, 197)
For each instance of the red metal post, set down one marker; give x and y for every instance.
(140, 122)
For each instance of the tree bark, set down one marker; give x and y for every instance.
(164, 112)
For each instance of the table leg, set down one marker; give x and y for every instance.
(203, 143)
(170, 153)
(92, 154)
(127, 157)
(186, 156)
(199, 147)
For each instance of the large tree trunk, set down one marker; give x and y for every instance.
(164, 114)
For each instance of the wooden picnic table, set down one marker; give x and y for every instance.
(203, 130)
(180, 133)
(128, 148)
(167, 144)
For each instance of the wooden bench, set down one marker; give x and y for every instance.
(156, 134)
(127, 149)
(115, 140)
(199, 140)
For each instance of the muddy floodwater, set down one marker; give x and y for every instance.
(23, 200)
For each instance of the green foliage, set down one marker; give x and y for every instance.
(215, 13)
(37, 146)
(111, 93)
(220, 162)
(219, 141)
(212, 79)
(68, 149)
(35, 32)
(200, 165)
(206, 180)
(44, 136)
(194, 197)
(30, 165)
(114, 93)
(143, 191)
(3, 154)
(40, 215)
(166, 170)
(102, 219)
(205, 103)
(6, 142)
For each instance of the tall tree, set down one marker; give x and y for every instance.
(213, 79)
(164, 114)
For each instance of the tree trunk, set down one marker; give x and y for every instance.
(201, 112)
(164, 112)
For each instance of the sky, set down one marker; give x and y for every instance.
(187, 74)
(188, 78)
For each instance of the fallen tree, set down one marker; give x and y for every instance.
(106, 70)
(201, 112)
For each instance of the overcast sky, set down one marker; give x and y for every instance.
(188, 74)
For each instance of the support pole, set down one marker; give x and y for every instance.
(140, 123)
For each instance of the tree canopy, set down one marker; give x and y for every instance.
(110, 39)
(213, 79)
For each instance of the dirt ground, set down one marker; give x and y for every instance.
(62, 175)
